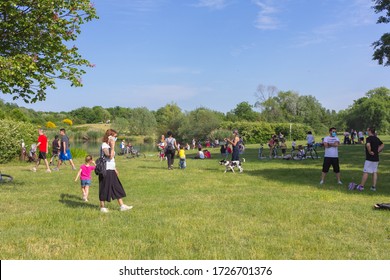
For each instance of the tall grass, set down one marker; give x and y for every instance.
(275, 209)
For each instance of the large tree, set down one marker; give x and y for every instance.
(36, 48)
(382, 46)
(371, 111)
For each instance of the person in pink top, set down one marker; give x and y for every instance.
(85, 176)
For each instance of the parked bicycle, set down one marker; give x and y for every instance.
(4, 178)
(132, 153)
(311, 152)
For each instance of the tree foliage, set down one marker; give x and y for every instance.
(11, 135)
(290, 107)
(382, 46)
(372, 110)
(35, 48)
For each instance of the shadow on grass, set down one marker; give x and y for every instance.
(310, 176)
(74, 201)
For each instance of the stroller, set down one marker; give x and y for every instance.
(32, 154)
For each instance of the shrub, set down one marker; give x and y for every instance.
(260, 132)
(148, 140)
(50, 125)
(11, 134)
(68, 122)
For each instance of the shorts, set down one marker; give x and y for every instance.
(85, 183)
(370, 166)
(328, 162)
(42, 155)
(67, 156)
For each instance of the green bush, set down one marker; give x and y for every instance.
(149, 140)
(260, 132)
(11, 135)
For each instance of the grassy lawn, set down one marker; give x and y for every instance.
(274, 210)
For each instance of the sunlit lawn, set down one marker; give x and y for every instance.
(274, 210)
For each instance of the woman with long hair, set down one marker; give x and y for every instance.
(110, 186)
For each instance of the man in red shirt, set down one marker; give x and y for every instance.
(43, 150)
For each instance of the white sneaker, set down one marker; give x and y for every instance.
(104, 210)
(339, 182)
(125, 207)
(48, 171)
(321, 182)
(33, 169)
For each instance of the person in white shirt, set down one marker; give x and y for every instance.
(310, 139)
(331, 157)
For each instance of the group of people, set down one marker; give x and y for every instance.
(353, 137)
(110, 187)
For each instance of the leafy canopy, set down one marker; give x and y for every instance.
(35, 47)
(382, 46)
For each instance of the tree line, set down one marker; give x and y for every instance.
(276, 110)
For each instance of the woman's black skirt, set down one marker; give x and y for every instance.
(110, 187)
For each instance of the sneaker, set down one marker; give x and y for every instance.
(104, 210)
(339, 182)
(373, 188)
(48, 171)
(321, 182)
(56, 169)
(73, 168)
(33, 169)
(125, 207)
(360, 188)
(352, 186)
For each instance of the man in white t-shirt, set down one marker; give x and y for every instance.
(331, 157)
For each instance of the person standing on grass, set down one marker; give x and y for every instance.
(64, 151)
(110, 187)
(373, 147)
(85, 176)
(331, 158)
(43, 146)
(235, 142)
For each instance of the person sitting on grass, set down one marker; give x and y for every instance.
(200, 154)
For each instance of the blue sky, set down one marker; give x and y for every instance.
(215, 53)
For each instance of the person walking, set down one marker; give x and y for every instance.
(235, 142)
(64, 151)
(42, 144)
(85, 176)
(373, 147)
(331, 158)
(170, 149)
(110, 187)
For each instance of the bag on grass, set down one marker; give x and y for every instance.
(382, 206)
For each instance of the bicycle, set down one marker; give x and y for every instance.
(4, 178)
(132, 153)
(311, 152)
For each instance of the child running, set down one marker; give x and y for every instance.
(85, 176)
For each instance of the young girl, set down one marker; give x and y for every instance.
(85, 176)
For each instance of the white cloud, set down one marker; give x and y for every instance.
(212, 4)
(266, 17)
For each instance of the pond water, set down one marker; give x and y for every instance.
(93, 148)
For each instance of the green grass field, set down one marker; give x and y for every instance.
(274, 210)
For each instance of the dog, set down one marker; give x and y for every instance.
(230, 165)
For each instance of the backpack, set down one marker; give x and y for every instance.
(170, 146)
